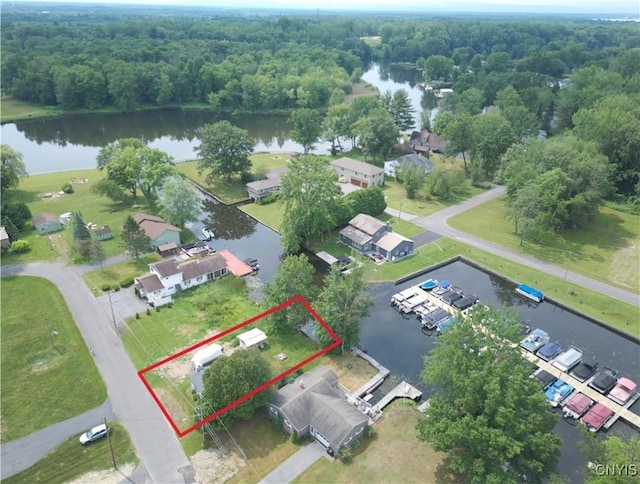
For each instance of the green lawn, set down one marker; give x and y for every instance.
(33, 371)
(269, 214)
(14, 110)
(70, 460)
(400, 226)
(608, 249)
(395, 455)
(95, 209)
(115, 273)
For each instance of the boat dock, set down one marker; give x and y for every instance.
(620, 411)
(402, 390)
(374, 382)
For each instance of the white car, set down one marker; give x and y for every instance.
(96, 433)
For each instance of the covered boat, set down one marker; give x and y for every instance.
(585, 370)
(446, 324)
(549, 351)
(623, 391)
(605, 380)
(535, 340)
(568, 359)
(530, 292)
(576, 406)
(465, 302)
(408, 305)
(543, 378)
(557, 392)
(432, 319)
(596, 417)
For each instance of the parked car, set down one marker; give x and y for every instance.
(96, 433)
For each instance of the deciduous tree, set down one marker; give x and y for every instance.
(97, 252)
(307, 127)
(12, 169)
(179, 201)
(412, 176)
(232, 377)
(483, 390)
(135, 239)
(224, 150)
(616, 458)
(343, 304)
(377, 133)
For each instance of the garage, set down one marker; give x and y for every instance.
(358, 183)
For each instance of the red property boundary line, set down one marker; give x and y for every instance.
(295, 299)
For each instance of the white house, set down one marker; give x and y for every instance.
(358, 173)
(167, 278)
(253, 337)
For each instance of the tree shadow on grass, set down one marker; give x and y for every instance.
(445, 475)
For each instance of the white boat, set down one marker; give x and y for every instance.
(408, 305)
(400, 297)
(207, 233)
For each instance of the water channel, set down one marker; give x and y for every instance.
(73, 142)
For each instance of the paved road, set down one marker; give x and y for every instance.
(155, 442)
(296, 464)
(437, 223)
(21, 454)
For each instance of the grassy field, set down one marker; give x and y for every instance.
(94, 209)
(395, 455)
(115, 273)
(269, 214)
(15, 110)
(71, 460)
(608, 249)
(33, 371)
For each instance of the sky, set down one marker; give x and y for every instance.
(631, 7)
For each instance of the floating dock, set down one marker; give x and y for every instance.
(402, 390)
(374, 382)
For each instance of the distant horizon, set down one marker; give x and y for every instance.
(627, 8)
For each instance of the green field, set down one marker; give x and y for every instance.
(70, 460)
(95, 209)
(269, 214)
(115, 273)
(608, 249)
(39, 361)
(14, 110)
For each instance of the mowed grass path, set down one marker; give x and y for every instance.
(608, 249)
(71, 460)
(42, 385)
(395, 455)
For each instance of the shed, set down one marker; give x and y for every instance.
(254, 337)
(46, 223)
(103, 233)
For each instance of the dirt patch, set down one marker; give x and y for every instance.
(211, 467)
(111, 476)
(41, 367)
(177, 369)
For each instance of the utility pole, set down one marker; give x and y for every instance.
(53, 345)
(400, 213)
(113, 457)
(113, 316)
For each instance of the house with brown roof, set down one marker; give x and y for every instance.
(371, 236)
(357, 172)
(170, 277)
(159, 231)
(45, 223)
(314, 404)
(423, 142)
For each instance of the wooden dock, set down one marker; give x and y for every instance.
(374, 382)
(402, 390)
(620, 411)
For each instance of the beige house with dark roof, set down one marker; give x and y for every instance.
(358, 173)
(159, 231)
(314, 404)
(169, 277)
(370, 236)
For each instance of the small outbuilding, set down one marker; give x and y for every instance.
(254, 337)
(46, 223)
(103, 233)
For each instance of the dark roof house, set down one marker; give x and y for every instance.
(424, 141)
(313, 405)
(371, 236)
(261, 188)
(391, 167)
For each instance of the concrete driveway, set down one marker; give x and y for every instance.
(296, 464)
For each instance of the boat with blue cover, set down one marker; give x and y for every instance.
(535, 340)
(530, 292)
(429, 284)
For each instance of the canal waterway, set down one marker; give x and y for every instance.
(400, 345)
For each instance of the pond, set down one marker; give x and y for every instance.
(72, 142)
(400, 345)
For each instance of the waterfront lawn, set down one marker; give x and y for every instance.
(616, 313)
(115, 273)
(12, 109)
(424, 204)
(607, 249)
(270, 214)
(94, 208)
(70, 460)
(33, 371)
(395, 455)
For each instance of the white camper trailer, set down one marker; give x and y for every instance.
(205, 356)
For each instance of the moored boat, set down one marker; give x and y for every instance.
(585, 370)
(207, 233)
(568, 359)
(402, 296)
(604, 381)
(577, 406)
(530, 292)
(535, 340)
(431, 321)
(596, 417)
(623, 391)
(429, 284)
(557, 392)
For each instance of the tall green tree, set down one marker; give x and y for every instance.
(135, 239)
(232, 377)
(80, 230)
(12, 169)
(343, 304)
(307, 127)
(459, 132)
(483, 390)
(399, 106)
(294, 277)
(412, 176)
(336, 125)
(438, 67)
(619, 453)
(224, 150)
(377, 133)
(179, 201)
(310, 197)
(492, 136)
(97, 252)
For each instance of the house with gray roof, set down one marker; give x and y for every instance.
(371, 236)
(259, 189)
(314, 405)
(391, 167)
(358, 173)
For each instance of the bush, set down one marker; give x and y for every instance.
(137, 315)
(272, 197)
(67, 188)
(372, 432)
(126, 282)
(294, 436)
(115, 288)
(148, 312)
(259, 173)
(345, 454)
(246, 177)
(20, 246)
(105, 287)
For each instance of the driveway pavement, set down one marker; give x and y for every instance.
(21, 454)
(296, 464)
(153, 438)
